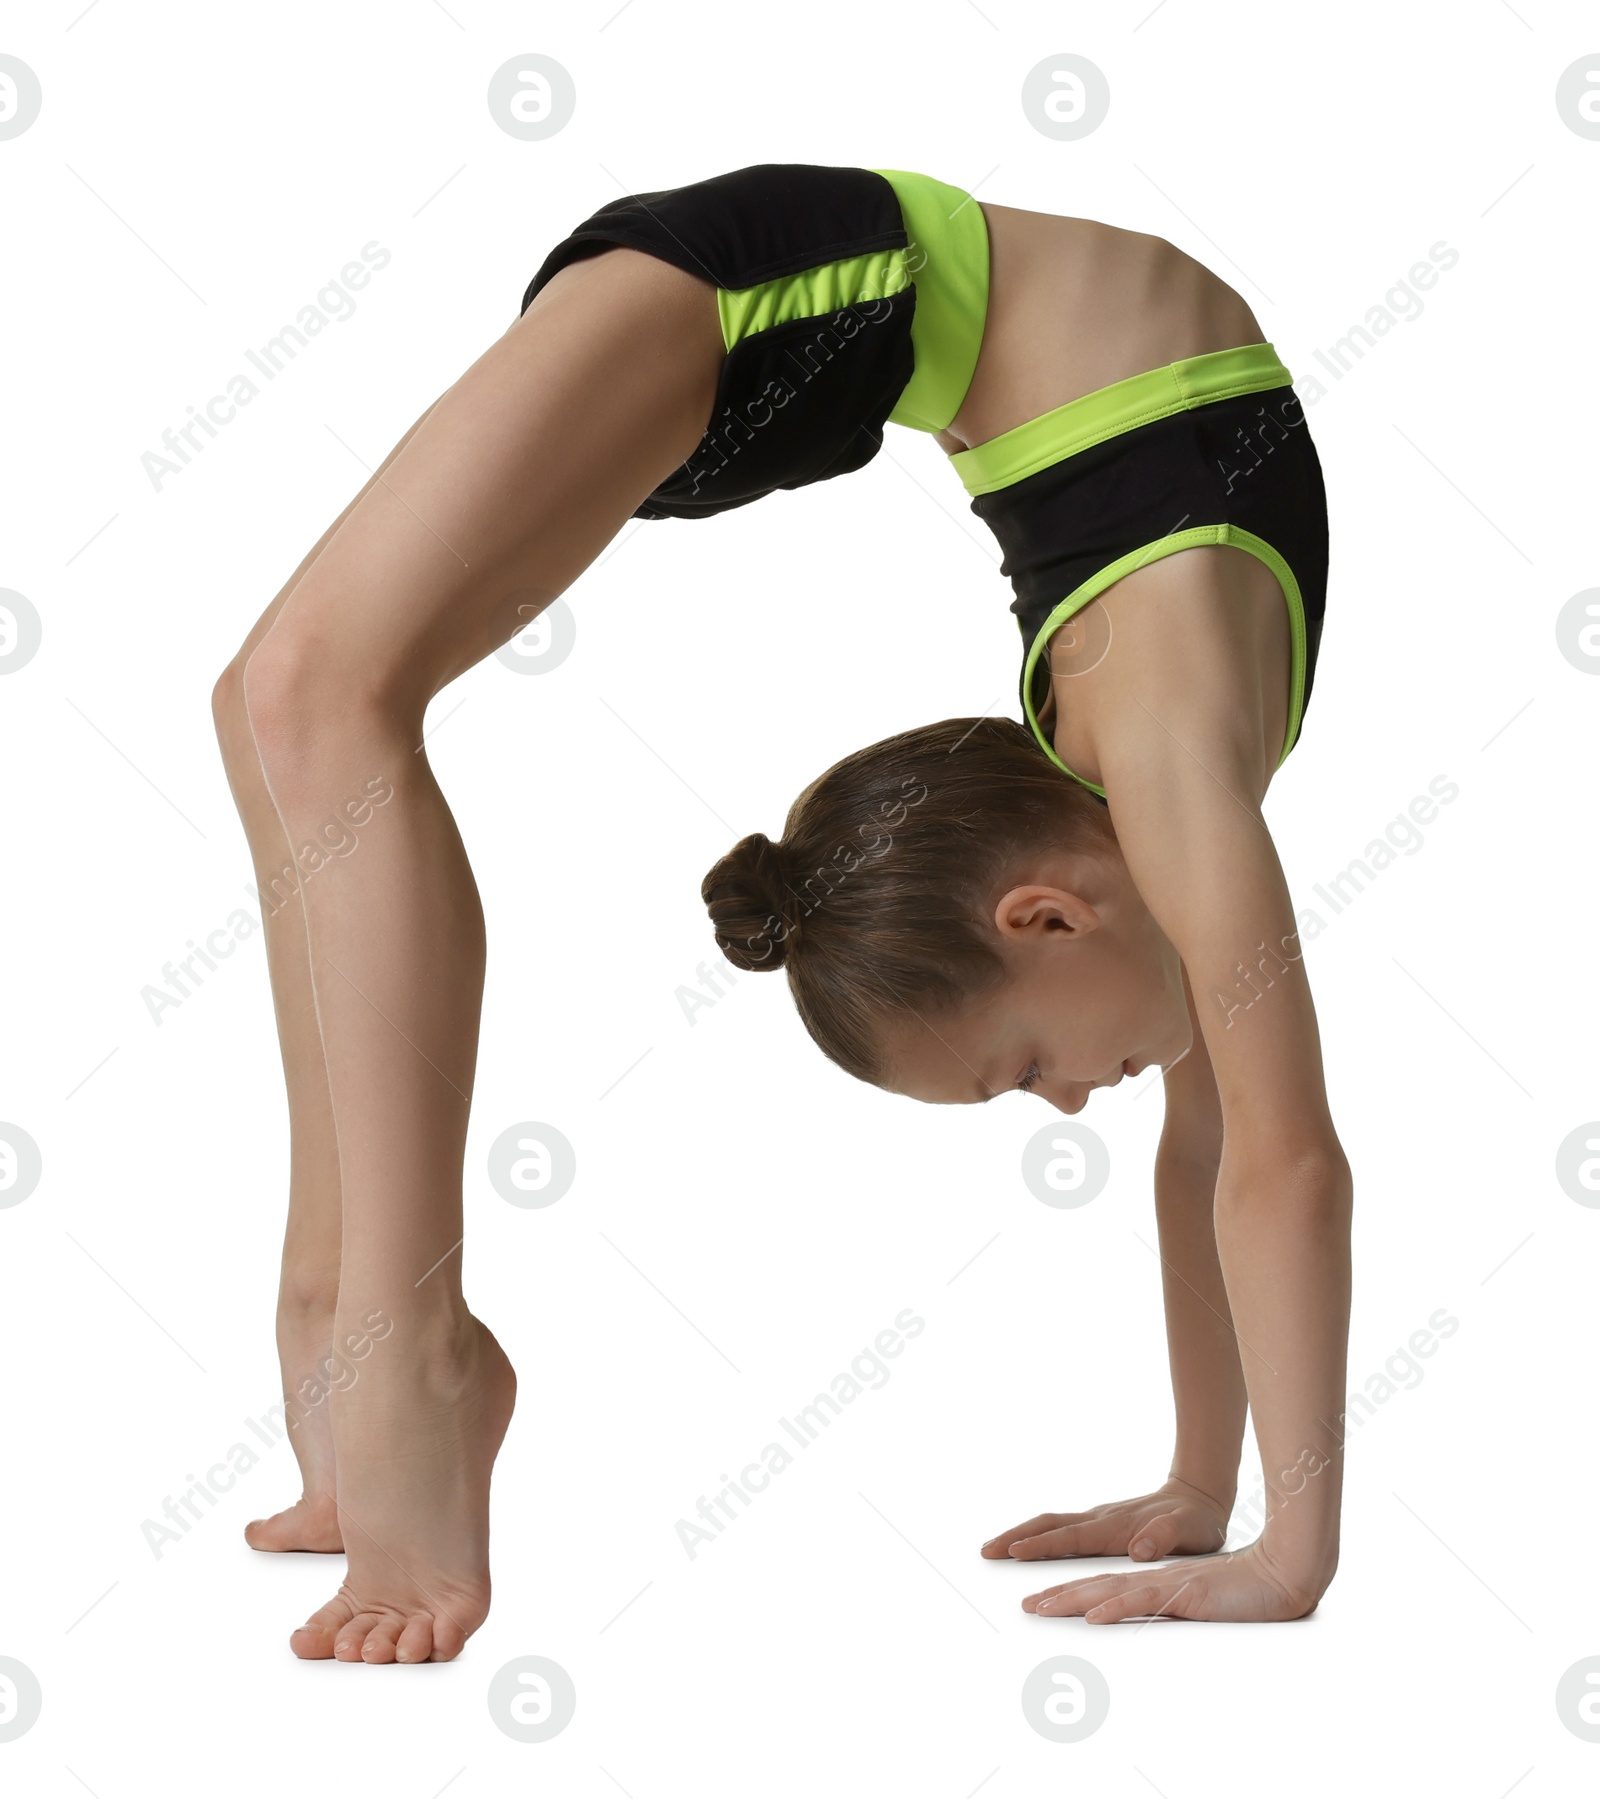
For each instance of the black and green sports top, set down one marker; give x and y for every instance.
(851, 298)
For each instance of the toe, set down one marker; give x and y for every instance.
(272, 1534)
(347, 1646)
(449, 1639)
(314, 1640)
(380, 1644)
(416, 1640)
(306, 1525)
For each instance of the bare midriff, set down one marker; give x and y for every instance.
(1075, 305)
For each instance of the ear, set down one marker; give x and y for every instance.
(1035, 911)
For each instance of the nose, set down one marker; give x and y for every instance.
(1072, 1096)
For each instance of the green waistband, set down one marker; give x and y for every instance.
(1109, 411)
(949, 262)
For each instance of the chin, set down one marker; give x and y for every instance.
(1172, 1039)
(1182, 1044)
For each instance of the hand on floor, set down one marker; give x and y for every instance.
(1242, 1588)
(1177, 1519)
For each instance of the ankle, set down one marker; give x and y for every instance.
(307, 1304)
(434, 1354)
(433, 1323)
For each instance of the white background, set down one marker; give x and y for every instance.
(196, 176)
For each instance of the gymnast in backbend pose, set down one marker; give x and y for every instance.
(968, 908)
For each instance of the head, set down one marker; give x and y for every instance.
(956, 919)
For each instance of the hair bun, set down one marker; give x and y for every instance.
(753, 910)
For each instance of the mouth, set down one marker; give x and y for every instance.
(1126, 1071)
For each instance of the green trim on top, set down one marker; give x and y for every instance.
(1109, 411)
(827, 288)
(950, 264)
(1229, 535)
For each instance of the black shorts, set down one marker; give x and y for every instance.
(847, 297)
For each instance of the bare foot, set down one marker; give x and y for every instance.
(311, 1524)
(417, 1438)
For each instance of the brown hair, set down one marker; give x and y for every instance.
(875, 898)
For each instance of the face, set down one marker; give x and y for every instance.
(1093, 992)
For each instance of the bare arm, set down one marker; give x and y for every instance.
(1200, 854)
(1188, 1513)
(1208, 1390)
(1183, 753)
(1202, 858)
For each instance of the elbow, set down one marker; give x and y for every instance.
(1311, 1180)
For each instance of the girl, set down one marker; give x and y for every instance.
(963, 909)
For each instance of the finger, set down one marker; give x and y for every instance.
(1046, 1521)
(1076, 1597)
(1169, 1597)
(1099, 1536)
(1156, 1537)
(1000, 1546)
(1132, 1602)
(1031, 1603)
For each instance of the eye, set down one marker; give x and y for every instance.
(1025, 1085)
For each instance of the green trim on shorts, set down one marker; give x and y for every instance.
(949, 261)
(828, 288)
(1228, 535)
(1109, 411)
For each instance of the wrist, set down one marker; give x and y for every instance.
(1300, 1535)
(1302, 1576)
(1213, 1486)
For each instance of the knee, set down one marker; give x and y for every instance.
(309, 1292)
(230, 718)
(272, 684)
(308, 713)
(292, 700)
(282, 701)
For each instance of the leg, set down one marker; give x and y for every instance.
(309, 1280)
(515, 481)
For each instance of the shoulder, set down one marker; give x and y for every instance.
(1189, 654)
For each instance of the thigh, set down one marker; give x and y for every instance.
(264, 623)
(512, 483)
